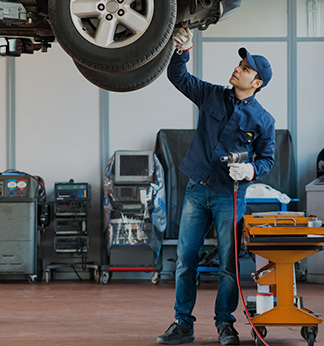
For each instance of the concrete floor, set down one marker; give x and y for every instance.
(123, 312)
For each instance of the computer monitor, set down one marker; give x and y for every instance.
(133, 166)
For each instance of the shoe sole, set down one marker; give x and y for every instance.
(230, 342)
(176, 342)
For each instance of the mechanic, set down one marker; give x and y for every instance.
(229, 120)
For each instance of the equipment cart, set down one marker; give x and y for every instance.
(134, 214)
(283, 240)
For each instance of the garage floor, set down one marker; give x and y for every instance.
(124, 313)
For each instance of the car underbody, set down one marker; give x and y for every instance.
(97, 34)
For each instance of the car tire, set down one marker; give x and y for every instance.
(129, 80)
(128, 47)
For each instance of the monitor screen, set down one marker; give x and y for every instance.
(133, 166)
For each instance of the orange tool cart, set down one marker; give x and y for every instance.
(283, 240)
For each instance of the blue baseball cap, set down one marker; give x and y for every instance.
(258, 63)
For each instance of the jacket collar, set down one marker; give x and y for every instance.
(240, 103)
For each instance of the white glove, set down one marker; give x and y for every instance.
(183, 39)
(240, 171)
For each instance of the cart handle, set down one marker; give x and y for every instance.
(285, 219)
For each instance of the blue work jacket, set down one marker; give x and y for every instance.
(225, 124)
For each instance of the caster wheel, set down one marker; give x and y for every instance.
(309, 334)
(262, 331)
(258, 342)
(105, 277)
(32, 279)
(155, 278)
(96, 276)
(311, 339)
(47, 276)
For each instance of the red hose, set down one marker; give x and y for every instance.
(237, 266)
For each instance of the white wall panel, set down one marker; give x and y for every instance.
(310, 125)
(3, 114)
(57, 127)
(220, 59)
(255, 18)
(136, 117)
(57, 120)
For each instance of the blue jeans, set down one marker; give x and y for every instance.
(201, 208)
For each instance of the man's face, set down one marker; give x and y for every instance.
(243, 77)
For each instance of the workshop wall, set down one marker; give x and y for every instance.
(57, 127)
(310, 116)
(57, 111)
(57, 131)
(135, 118)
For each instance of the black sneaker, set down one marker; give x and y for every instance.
(228, 335)
(176, 334)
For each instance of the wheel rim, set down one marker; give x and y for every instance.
(111, 23)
